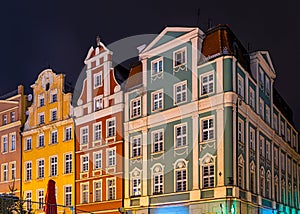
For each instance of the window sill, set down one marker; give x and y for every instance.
(136, 157)
(181, 147)
(157, 153)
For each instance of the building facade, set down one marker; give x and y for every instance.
(99, 131)
(12, 117)
(205, 131)
(48, 144)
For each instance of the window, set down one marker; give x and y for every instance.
(157, 141)
(268, 114)
(268, 91)
(135, 107)
(68, 163)
(241, 176)
(13, 142)
(12, 116)
(157, 67)
(68, 133)
(53, 166)
(252, 139)
(84, 163)
(41, 100)
(252, 98)
(28, 197)
(275, 122)
(240, 86)
(261, 107)
(261, 78)
(98, 103)
(97, 79)
(208, 132)
(53, 114)
(282, 126)
(261, 146)
(157, 100)
(136, 186)
(28, 171)
(268, 150)
(28, 145)
(179, 57)
(4, 144)
(136, 146)
(181, 135)
(268, 185)
(84, 135)
(68, 195)
(282, 161)
(158, 179)
(208, 176)
(41, 140)
(288, 130)
(97, 131)
(4, 168)
(294, 141)
(85, 193)
(276, 189)
(111, 127)
(241, 131)
(98, 160)
(252, 178)
(181, 176)
(111, 154)
(97, 191)
(53, 137)
(41, 118)
(13, 170)
(111, 189)
(275, 154)
(262, 181)
(207, 84)
(4, 119)
(41, 168)
(53, 97)
(180, 94)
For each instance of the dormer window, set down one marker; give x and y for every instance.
(179, 57)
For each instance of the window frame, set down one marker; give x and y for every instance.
(182, 92)
(207, 129)
(159, 101)
(68, 133)
(28, 171)
(66, 162)
(137, 148)
(97, 84)
(98, 99)
(137, 108)
(108, 127)
(4, 144)
(84, 164)
(182, 136)
(40, 198)
(84, 136)
(97, 160)
(97, 132)
(53, 114)
(40, 168)
(160, 142)
(112, 157)
(241, 86)
(180, 168)
(181, 50)
(95, 189)
(53, 164)
(113, 187)
(83, 192)
(202, 76)
(156, 61)
(68, 194)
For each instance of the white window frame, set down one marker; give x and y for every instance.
(98, 103)
(13, 167)
(41, 97)
(208, 129)
(84, 164)
(53, 93)
(183, 53)
(4, 119)
(4, 174)
(208, 83)
(97, 83)
(111, 127)
(136, 146)
(28, 170)
(68, 195)
(13, 140)
(97, 160)
(241, 88)
(12, 116)
(159, 141)
(41, 118)
(68, 170)
(111, 187)
(159, 101)
(180, 168)
(135, 107)
(53, 164)
(53, 137)
(40, 168)
(182, 137)
(182, 93)
(157, 176)
(53, 114)
(28, 198)
(84, 192)
(97, 189)
(156, 61)
(28, 142)
(209, 176)
(41, 140)
(97, 135)
(84, 135)
(136, 186)
(68, 133)
(40, 194)
(4, 144)
(111, 158)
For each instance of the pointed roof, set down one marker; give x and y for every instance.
(95, 51)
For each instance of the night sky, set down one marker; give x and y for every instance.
(38, 34)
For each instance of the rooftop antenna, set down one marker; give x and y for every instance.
(198, 16)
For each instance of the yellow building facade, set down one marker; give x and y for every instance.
(48, 144)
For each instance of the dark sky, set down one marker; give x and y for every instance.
(36, 34)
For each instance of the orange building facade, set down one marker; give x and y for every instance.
(99, 144)
(12, 118)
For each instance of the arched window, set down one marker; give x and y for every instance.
(262, 181)
(268, 185)
(158, 179)
(208, 171)
(241, 172)
(252, 178)
(136, 182)
(181, 175)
